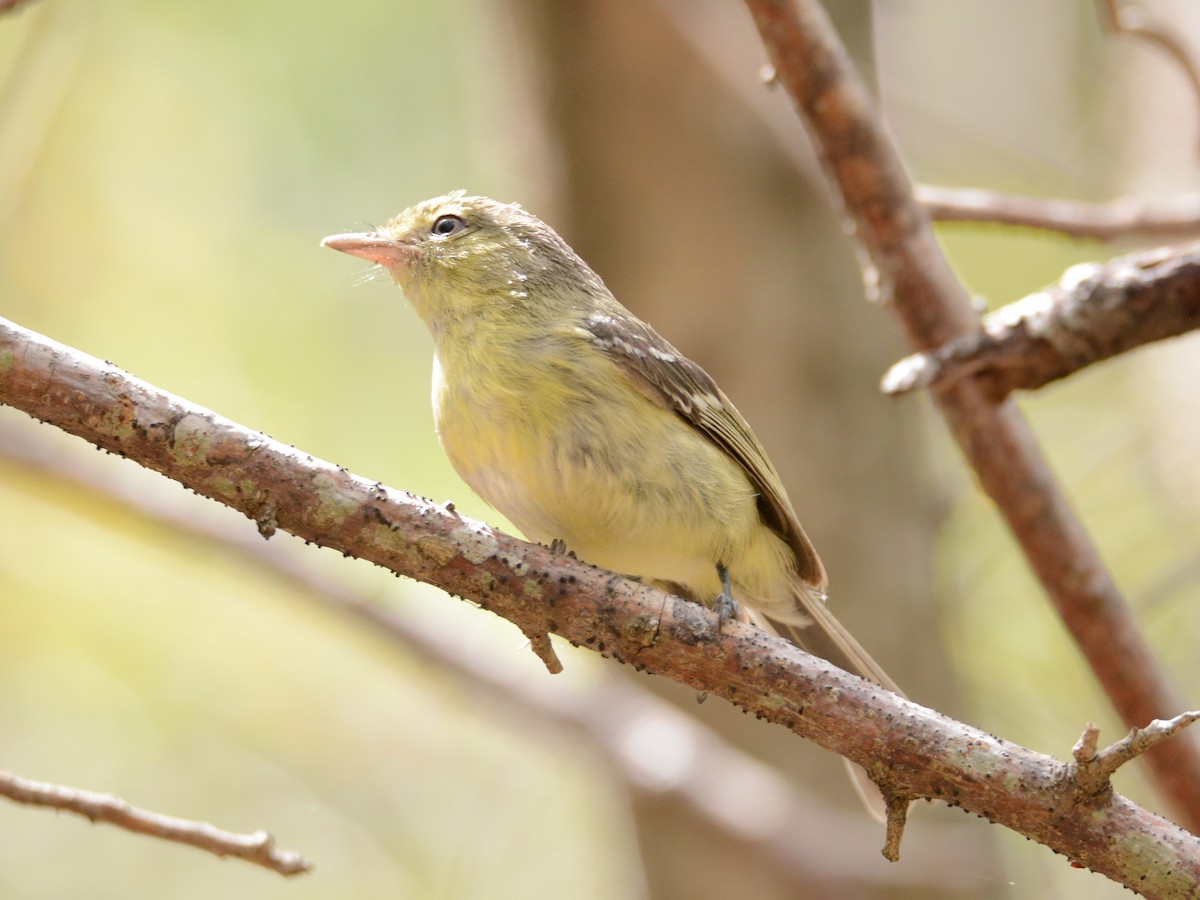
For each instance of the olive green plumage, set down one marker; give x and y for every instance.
(579, 422)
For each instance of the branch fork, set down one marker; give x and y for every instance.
(1092, 769)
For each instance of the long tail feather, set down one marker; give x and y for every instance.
(825, 636)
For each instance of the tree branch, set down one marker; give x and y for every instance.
(1175, 219)
(1094, 313)
(1135, 22)
(1093, 768)
(606, 715)
(258, 848)
(907, 267)
(910, 751)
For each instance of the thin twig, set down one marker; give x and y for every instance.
(897, 817)
(1125, 218)
(1094, 313)
(866, 172)
(543, 649)
(1093, 768)
(1135, 22)
(258, 848)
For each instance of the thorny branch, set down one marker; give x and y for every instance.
(910, 751)
(258, 848)
(1094, 313)
(865, 170)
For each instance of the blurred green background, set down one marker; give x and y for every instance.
(166, 173)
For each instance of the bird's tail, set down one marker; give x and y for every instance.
(823, 635)
(820, 633)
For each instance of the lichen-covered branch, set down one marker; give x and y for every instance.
(603, 714)
(258, 848)
(865, 171)
(1094, 313)
(910, 751)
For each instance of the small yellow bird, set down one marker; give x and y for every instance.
(576, 420)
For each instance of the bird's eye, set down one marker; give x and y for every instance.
(447, 225)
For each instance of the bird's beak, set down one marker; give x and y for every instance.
(373, 246)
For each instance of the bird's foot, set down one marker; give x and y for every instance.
(726, 605)
(727, 608)
(559, 548)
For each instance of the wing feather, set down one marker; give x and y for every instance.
(668, 377)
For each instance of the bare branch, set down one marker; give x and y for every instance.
(1135, 22)
(1093, 768)
(866, 172)
(607, 714)
(1175, 219)
(543, 649)
(1094, 313)
(897, 816)
(1128, 217)
(258, 848)
(908, 750)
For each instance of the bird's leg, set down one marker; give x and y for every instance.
(726, 606)
(559, 548)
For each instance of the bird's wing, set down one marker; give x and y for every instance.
(669, 378)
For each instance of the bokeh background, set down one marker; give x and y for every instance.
(166, 172)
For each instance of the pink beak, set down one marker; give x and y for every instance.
(372, 246)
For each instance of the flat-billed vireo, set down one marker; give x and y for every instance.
(576, 420)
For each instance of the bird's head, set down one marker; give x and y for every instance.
(460, 256)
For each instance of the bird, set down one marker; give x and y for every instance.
(582, 425)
